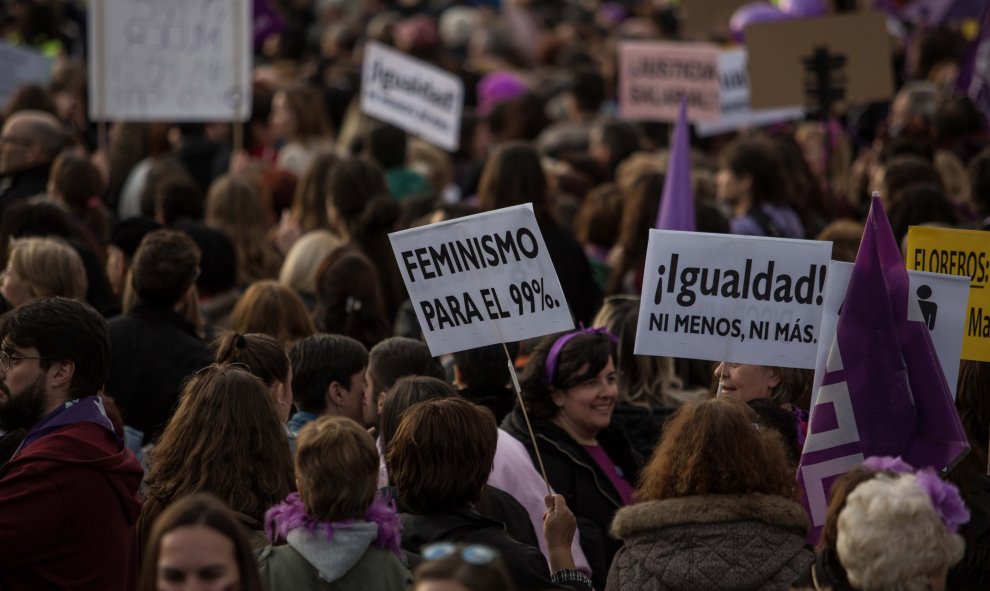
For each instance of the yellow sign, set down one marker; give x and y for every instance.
(959, 252)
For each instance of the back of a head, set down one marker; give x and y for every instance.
(233, 204)
(475, 568)
(245, 459)
(27, 218)
(349, 298)
(353, 183)
(49, 267)
(76, 180)
(756, 157)
(917, 205)
(336, 468)
(845, 236)
(890, 536)
(43, 129)
(177, 196)
(484, 367)
(441, 455)
(271, 308)
(319, 360)
(406, 392)
(588, 89)
(387, 146)
(397, 357)
(903, 172)
(299, 270)
(513, 176)
(713, 447)
(61, 328)
(201, 510)
(261, 354)
(164, 268)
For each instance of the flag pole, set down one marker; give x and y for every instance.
(522, 405)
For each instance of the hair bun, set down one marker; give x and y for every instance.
(240, 342)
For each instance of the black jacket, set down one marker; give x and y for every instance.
(23, 184)
(588, 491)
(152, 351)
(526, 564)
(584, 296)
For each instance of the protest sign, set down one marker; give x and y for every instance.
(173, 60)
(414, 95)
(857, 41)
(736, 111)
(959, 252)
(941, 306)
(701, 19)
(481, 280)
(653, 77)
(20, 66)
(741, 299)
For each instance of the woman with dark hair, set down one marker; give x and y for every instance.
(226, 439)
(439, 459)
(77, 183)
(642, 201)
(271, 308)
(362, 213)
(513, 176)
(199, 541)
(751, 183)
(265, 357)
(349, 298)
(611, 142)
(714, 508)
(570, 390)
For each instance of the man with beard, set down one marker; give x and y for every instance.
(68, 496)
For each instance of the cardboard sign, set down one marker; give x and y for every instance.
(941, 305)
(480, 280)
(959, 252)
(412, 94)
(654, 76)
(734, 94)
(777, 50)
(21, 66)
(172, 60)
(740, 299)
(708, 19)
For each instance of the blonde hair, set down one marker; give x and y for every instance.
(891, 537)
(233, 206)
(48, 266)
(304, 260)
(336, 468)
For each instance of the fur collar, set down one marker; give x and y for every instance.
(709, 509)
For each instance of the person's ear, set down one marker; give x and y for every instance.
(746, 182)
(557, 396)
(334, 396)
(381, 402)
(776, 376)
(62, 374)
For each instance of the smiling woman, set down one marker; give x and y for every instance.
(570, 390)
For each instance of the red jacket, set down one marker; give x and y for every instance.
(68, 505)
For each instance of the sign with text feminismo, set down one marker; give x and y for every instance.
(422, 99)
(740, 299)
(481, 280)
(170, 60)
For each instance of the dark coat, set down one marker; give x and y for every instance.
(588, 491)
(23, 184)
(973, 571)
(728, 542)
(584, 296)
(152, 352)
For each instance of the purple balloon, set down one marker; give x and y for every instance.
(804, 8)
(751, 14)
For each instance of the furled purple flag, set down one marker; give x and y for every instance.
(267, 22)
(883, 393)
(677, 203)
(974, 70)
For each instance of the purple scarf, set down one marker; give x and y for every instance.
(85, 410)
(291, 514)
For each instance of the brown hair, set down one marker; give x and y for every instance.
(309, 204)
(598, 219)
(224, 438)
(349, 298)
(233, 206)
(512, 176)
(837, 495)
(261, 354)
(406, 392)
(336, 468)
(49, 266)
(271, 308)
(591, 350)
(164, 267)
(80, 185)
(309, 113)
(208, 511)
(442, 454)
(713, 447)
(638, 215)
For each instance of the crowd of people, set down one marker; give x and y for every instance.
(211, 376)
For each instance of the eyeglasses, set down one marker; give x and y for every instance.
(475, 554)
(6, 358)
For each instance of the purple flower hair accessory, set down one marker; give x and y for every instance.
(553, 357)
(945, 499)
(888, 464)
(291, 515)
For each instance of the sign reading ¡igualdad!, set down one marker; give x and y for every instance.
(481, 280)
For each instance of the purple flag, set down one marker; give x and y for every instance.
(677, 203)
(974, 70)
(883, 393)
(267, 22)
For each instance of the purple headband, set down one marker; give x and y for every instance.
(554, 355)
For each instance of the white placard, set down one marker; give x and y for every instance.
(172, 60)
(944, 311)
(741, 299)
(481, 279)
(409, 93)
(736, 111)
(21, 66)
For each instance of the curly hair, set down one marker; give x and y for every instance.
(224, 439)
(581, 359)
(271, 308)
(712, 447)
(891, 537)
(337, 468)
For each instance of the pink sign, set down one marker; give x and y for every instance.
(654, 76)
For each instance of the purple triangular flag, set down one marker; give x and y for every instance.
(677, 203)
(883, 393)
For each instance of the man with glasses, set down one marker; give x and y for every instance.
(68, 496)
(29, 143)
